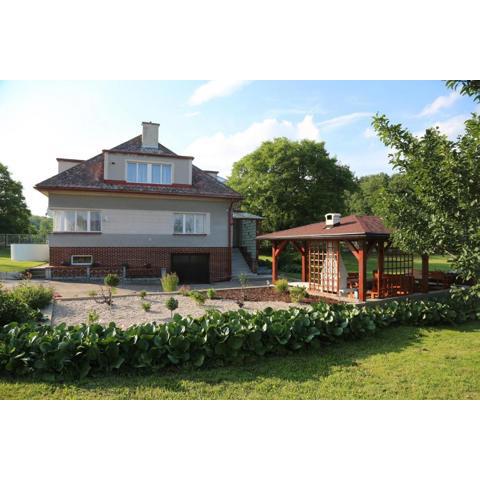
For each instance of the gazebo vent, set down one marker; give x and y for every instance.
(332, 219)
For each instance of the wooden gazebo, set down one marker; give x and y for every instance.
(322, 265)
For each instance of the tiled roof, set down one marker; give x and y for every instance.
(88, 176)
(353, 225)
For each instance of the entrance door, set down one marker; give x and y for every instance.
(191, 268)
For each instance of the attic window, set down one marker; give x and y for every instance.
(156, 173)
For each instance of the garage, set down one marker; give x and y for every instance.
(191, 268)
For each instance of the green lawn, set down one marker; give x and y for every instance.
(397, 363)
(7, 265)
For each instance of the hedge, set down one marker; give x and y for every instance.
(216, 338)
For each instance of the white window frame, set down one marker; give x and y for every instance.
(83, 263)
(149, 171)
(76, 210)
(184, 214)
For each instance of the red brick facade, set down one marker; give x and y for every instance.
(137, 258)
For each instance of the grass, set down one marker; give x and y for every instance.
(397, 363)
(7, 265)
(436, 262)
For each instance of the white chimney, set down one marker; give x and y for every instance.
(150, 135)
(332, 219)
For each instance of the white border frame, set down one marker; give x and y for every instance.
(205, 224)
(81, 264)
(89, 211)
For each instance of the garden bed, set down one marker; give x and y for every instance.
(267, 294)
(127, 311)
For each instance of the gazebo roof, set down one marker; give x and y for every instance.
(361, 226)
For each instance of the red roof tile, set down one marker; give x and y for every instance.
(353, 225)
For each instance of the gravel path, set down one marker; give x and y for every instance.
(128, 311)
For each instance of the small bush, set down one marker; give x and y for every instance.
(111, 280)
(93, 316)
(142, 294)
(184, 290)
(281, 285)
(198, 297)
(169, 282)
(35, 296)
(14, 310)
(146, 306)
(92, 293)
(297, 294)
(171, 304)
(211, 293)
(243, 279)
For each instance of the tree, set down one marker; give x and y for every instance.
(41, 225)
(14, 214)
(366, 200)
(467, 87)
(291, 183)
(435, 205)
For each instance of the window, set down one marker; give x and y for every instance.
(159, 173)
(77, 221)
(190, 223)
(81, 260)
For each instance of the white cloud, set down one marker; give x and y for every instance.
(192, 114)
(453, 126)
(215, 88)
(443, 101)
(343, 120)
(220, 151)
(369, 132)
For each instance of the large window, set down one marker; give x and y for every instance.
(77, 221)
(160, 173)
(190, 223)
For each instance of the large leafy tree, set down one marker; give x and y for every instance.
(291, 183)
(41, 225)
(366, 200)
(14, 214)
(435, 204)
(466, 87)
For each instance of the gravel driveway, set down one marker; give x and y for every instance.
(128, 311)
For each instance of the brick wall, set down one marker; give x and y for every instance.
(138, 257)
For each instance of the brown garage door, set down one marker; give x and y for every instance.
(191, 268)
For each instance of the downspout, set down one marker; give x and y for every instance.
(230, 226)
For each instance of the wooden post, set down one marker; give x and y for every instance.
(362, 271)
(424, 284)
(274, 262)
(380, 266)
(304, 263)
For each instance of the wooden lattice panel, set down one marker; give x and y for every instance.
(397, 262)
(323, 262)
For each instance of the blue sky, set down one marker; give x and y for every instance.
(217, 122)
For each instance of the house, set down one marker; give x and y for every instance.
(139, 209)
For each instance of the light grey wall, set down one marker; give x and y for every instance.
(114, 168)
(120, 209)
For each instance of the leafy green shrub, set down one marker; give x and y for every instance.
(243, 279)
(215, 338)
(14, 310)
(146, 306)
(142, 294)
(35, 296)
(198, 297)
(297, 294)
(169, 282)
(92, 316)
(111, 280)
(211, 293)
(171, 304)
(281, 285)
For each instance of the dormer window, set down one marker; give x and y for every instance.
(157, 173)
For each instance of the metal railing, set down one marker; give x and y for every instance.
(6, 239)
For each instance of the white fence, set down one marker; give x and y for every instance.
(29, 252)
